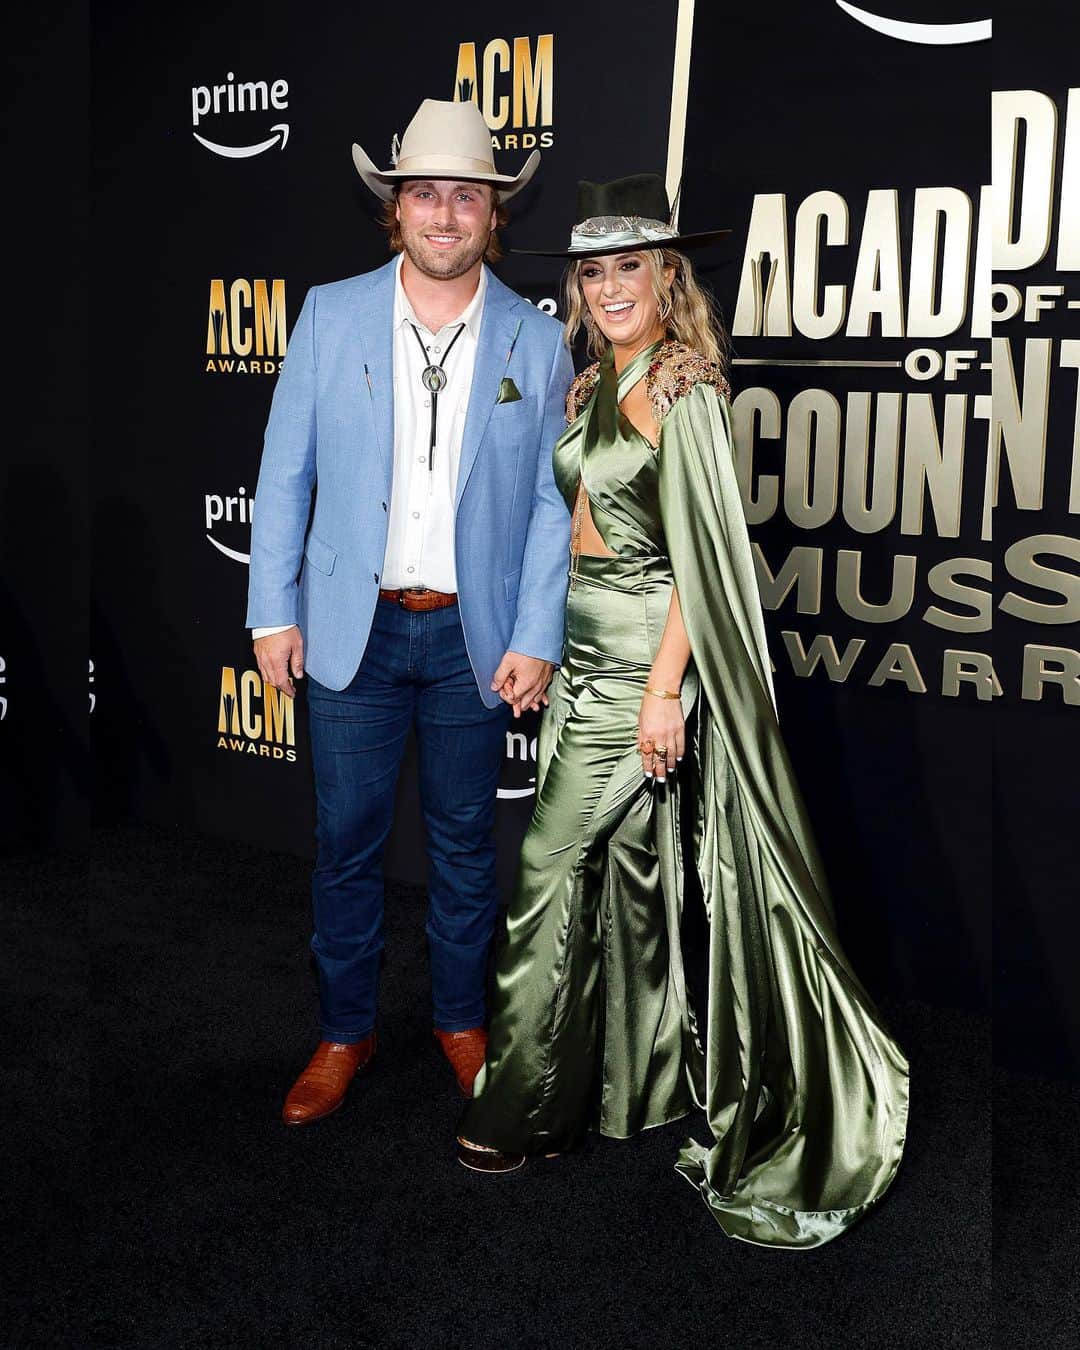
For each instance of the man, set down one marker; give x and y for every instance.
(420, 404)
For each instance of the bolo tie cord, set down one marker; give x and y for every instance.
(433, 379)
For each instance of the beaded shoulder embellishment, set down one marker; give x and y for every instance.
(674, 371)
(581, 391)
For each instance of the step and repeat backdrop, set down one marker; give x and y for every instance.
(847, 149)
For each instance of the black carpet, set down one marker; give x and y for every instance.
(161, 1203)
(1036, 1212)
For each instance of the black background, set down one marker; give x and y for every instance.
(781, 100)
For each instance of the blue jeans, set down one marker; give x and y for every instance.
(415, 672)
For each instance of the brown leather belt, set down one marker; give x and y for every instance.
(419, 598)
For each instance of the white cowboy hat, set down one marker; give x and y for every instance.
(444, 140)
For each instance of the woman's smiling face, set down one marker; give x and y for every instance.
(618, 289)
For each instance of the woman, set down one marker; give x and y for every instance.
(806, 1093)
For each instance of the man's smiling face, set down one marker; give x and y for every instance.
(445, 225)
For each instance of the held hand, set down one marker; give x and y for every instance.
(278, 655)
(661, 736)
(522, 681)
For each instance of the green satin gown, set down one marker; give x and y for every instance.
(804, 1089)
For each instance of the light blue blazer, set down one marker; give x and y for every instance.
(331, 432)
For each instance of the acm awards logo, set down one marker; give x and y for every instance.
(245, 327)
(245, 96)
(513, 85)
(255, 718)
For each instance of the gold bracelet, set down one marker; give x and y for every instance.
(660, 693)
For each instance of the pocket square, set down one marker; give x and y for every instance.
(508, 391)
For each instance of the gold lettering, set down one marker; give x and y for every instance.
(802, 568)
(1070, 360)
(823, 651)
(1068, 249)
(1021, 564)
(982, 312)
(942, 581)
(755, 408)
(811, 320)
(1035, 189)
(1021, 426)
(812, 458)
(533, 81)
(876, 288)
(250, 690)
(930, 462)
(868, 516)
(1051, 665)
(240, 297)
(270, 318)
(228, 713)
(899, 663)
(848, 588)
(465, 82)
(280, 716)
(939, 212)
(217, 333)
(763, 305)
(496, 57)
(969, 668)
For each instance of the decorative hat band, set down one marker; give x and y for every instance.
(618, 231)
(628, 215)
(432, 165)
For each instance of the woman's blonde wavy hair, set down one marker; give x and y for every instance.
(687, 311)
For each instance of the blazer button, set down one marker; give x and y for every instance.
(384, 506)
(376, 576)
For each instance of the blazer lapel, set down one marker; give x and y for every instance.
(496, 333)
(375, 326)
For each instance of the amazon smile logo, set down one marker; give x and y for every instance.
(929, 34)
(247, 96)
(231, 511)
(519, 769)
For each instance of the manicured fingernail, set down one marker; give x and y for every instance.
(678, 759)
(647, 774)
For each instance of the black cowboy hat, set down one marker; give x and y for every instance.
(624, 216)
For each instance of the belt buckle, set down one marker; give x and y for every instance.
(409, 590)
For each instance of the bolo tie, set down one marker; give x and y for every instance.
(433, 378)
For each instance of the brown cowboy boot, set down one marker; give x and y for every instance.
(465, 1050)
(321, 1088)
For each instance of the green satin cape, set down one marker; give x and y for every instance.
(806, 1090)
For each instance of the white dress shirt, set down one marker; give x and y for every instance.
(420, 537)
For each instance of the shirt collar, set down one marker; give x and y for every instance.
(470, 316)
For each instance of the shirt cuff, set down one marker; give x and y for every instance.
(269, 632)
